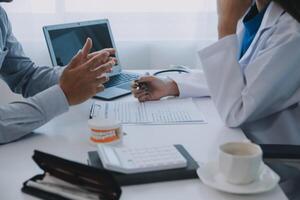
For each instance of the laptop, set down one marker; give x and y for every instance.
(65, 40)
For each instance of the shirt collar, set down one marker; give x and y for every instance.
(253, 19)
(273, 13)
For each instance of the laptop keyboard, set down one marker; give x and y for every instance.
(120, 79)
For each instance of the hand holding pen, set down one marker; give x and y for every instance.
(151, 88)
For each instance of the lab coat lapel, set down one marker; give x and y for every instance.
(273, 13)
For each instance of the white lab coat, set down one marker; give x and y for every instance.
(261, 91)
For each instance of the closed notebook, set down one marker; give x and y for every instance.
(150, 177)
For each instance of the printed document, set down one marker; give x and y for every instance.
(170, 111)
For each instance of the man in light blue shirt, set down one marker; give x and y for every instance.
(48, 91)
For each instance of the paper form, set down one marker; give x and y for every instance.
(171, 111)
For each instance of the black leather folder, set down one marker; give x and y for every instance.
(95, 180)
(150, 177)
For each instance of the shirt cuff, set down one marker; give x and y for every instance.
(191, 85)
(53, 102)
(59, 71)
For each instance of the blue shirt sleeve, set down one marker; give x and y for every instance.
(45, 97)
(17, 70)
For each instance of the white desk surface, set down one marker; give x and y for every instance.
(67, 136)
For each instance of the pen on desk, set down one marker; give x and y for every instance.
(92, 111)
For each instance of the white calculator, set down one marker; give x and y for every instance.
(137, 160)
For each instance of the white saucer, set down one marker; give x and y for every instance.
(210, 175)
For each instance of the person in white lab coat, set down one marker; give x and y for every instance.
(253, 79)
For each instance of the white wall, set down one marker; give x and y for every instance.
(149, 39)
(143, 39)
(133, 55)
(137, 54)
(150, 33)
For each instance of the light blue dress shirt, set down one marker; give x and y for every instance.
(39, 84)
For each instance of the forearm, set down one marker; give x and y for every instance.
(40, 79)
(171, 87)
(229, 13)
(43, 78)
(226, 28)
(20, 118)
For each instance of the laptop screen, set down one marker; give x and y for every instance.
(65, 42)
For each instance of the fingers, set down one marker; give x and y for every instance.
(113, 59)
(134, 85)
(76, 60)
(96, 61)
(100, 60)
(143, 84)
(101, 80)
(105, 68)
(141, 95)
(108, 64)
(141, 81)
(81, 55)
(100, 88)
(144, 98)
(136, 92)
(99, 83)
(87, 47)
(111, 52)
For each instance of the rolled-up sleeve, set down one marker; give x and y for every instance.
(20, 118)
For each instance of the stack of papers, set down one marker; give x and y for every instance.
(171, 111)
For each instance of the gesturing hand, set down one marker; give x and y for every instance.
(229, 13)
(85, 74)
(84, 54)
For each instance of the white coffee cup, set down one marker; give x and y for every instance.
(240, 162)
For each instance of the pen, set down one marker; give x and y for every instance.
(92, 111)
(142, 85)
